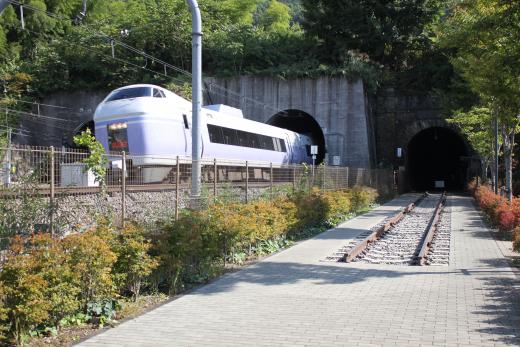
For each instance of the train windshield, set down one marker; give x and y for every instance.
(130, 93)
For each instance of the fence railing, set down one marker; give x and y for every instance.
(145, 188)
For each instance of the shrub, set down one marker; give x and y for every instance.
(311, 209)
(505, 217)
(187, 248)
(488, 202)
(92, 259)
(54, 265)
(362, 198)
(134, 263)
(23, 292)
(338, 206)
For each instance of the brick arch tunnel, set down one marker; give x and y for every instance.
(436, 154)
(302, 123)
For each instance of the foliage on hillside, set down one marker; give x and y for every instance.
(357, 39)
(240, 37)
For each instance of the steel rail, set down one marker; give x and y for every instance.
(431, 231)
(379, 232)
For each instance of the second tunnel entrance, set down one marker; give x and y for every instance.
(436, 154)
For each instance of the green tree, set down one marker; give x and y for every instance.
(389, 31)
(276, 17)
(477, 125)
(483, 35)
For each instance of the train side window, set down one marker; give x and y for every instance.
(282, 143)
(215, 134)
(254, 141)
(275, 144)
(186, 125)
(230, 136)
(242, 138)
(267, 142)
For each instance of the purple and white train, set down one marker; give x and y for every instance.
(154, 125)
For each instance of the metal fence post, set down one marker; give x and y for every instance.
(271, 181)
(347, 169)
(177, 181)
(247, 181)
(215, 179)
(123, 190)
(52, 193)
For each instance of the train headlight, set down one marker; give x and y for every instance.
(117, 126)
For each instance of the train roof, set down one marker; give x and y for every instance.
(225, 110)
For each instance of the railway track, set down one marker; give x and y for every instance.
(418, 235)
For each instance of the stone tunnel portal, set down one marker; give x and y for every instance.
(303, 123)
(436, 154)
(69, 140)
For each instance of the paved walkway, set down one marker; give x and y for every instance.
(293, 299)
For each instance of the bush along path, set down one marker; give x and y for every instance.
(93, 278)
(501, 213)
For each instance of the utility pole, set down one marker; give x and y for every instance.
(196, 85)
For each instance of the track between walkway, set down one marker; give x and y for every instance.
(295, 299)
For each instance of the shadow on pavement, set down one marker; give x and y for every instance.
(269, 273)
(503, 308)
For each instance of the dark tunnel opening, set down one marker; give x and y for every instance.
(436, 154)
(302, 123)
(69, 140)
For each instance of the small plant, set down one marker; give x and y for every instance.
(97, 161)
(102, 311)
(79, 318)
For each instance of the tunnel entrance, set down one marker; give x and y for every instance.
(436, 154)
(68, 140)
(302, 123)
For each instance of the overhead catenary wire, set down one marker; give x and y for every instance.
(30, 114)
(72, 110)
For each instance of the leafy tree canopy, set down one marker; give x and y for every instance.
(390, 32)
(240, 37)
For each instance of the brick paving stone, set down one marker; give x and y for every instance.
(293, 298)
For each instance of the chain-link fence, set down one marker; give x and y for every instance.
(149, 188)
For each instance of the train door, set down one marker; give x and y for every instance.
(187, 136)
